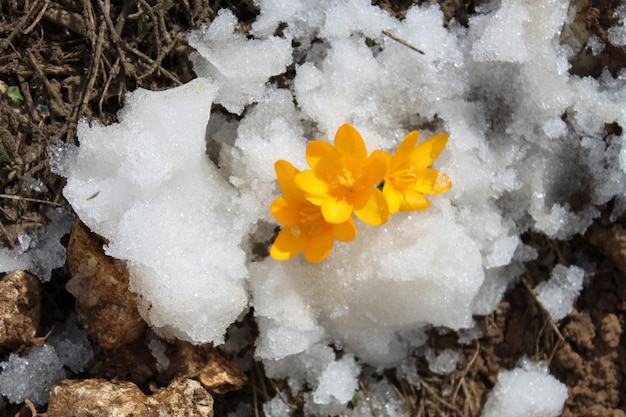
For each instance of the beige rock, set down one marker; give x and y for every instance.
(104, 305)
(20, 309)
(216, 373)
(99, 398)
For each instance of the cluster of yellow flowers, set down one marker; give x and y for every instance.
(317, 204)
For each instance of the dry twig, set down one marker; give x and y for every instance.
(403, 42)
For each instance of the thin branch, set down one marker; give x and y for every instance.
(403, 42)
(465, 371)
(37, 19)
(30, 200)
(17, 30)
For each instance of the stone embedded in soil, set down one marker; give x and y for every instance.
(20, 309)
(104, 305)
(135, 362)
(99, 398)
(216, 373)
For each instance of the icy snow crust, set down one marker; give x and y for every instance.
(526, 391)
(183, 195)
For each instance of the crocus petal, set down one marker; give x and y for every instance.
(287, 244)
(322, 156)
(407, 144)
(393, 197)
(414, 201)
(310, 183)
(346, 231)
(372, 208)
(336, 210)
(285, 172)
(375, 168)
(431, 181)
(426, 152)
(317, 248)
(351, 148)
(286, 210)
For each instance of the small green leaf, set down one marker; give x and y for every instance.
(15, 95)
(167, 4)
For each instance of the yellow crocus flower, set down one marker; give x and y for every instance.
(343, 179)
(409, 177)
(305, 229)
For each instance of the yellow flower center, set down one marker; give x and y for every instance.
(310, 221)
(403, 177)
(346, 179)
(309, 215)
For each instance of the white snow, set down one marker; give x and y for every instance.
(240, 67)
(444, 363)
(179, 234)
(526, 391)
(71, 343)
(39, 252)
(525, 138)
(32, 376)
(558, 293)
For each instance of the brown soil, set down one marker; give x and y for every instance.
(73, 59)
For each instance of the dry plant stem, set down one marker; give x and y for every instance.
(431, 404)
(113, 72)
(420, 411)
(471, 400)
(83, 98)
(559, 255)
(121, 19)
(56, 103)
(31, 407)
(120, 45)
(19, 28)
(4, 232)
(73, 21)
(403, 42)
(255, 400)
(547, 316)
(49, 70)
(93, 70)
(173, 77)
(85, 94)
(261, 375)
(28, 100)
(147, 8)
(368, 394)
(437, 397)
(465, 371)
(162, 26)
(90, 21)
(37, 18)
(105, 7)
(30, 200)
(409, 405)
(162, 54)
(282, 397)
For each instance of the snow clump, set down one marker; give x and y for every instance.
(526, 391)
(558, 293)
